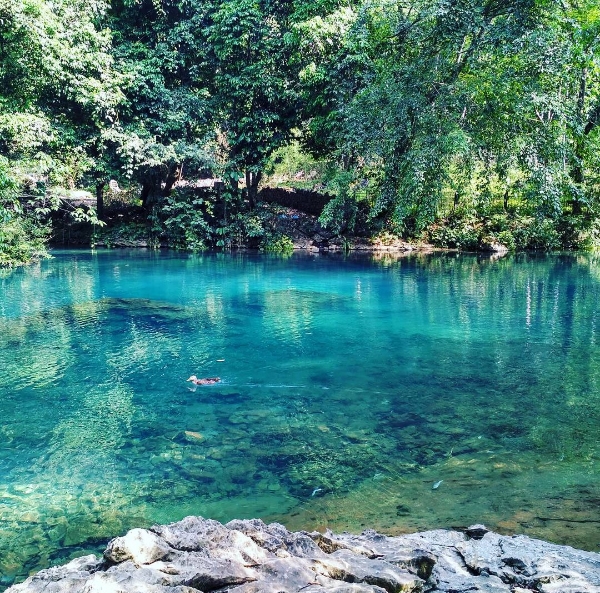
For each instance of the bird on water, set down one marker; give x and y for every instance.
(206, 381)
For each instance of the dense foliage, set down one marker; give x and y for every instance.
(467, 123)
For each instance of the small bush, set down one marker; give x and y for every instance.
(534, 234)
(184, 222)
(507, 239)
(511, 230)
(457, 233)
(277, 244)
(23, 236)
(21, 240)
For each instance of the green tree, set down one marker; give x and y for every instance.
(578, 26)
(58, 85)
(164, 129)
(57, 93)
(254, 90)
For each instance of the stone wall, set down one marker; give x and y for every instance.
(198, 554)
(310, 202)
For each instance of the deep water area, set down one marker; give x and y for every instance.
(393, 392)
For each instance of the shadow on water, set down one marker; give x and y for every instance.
(397, 393)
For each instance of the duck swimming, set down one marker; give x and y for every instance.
(207, 381)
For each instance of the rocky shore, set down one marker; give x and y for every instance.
(249, 556)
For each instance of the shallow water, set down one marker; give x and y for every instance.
(350, 386)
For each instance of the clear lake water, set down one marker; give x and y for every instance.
(399, 393)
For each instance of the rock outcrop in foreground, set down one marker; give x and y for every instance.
(248, 556)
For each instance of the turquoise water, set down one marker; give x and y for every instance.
(350, 387)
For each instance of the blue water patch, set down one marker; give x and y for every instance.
(398, 393)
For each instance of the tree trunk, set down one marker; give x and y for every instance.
(100, 199)
(234, 186)
(249, 189)
(221, 196)
(173, 177)
(577, 173)
(147, 187)
(152, 188)
(577, 176)
(252, 181)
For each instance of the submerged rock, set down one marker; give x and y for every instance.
(248, 556)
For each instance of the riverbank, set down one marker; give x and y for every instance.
(271, 227)
(282, 228)
(291, 219)
(246, 556)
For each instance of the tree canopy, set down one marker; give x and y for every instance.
(432, 116)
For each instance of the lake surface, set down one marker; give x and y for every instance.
(351, 386)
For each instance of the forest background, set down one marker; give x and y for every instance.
(464, 123)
